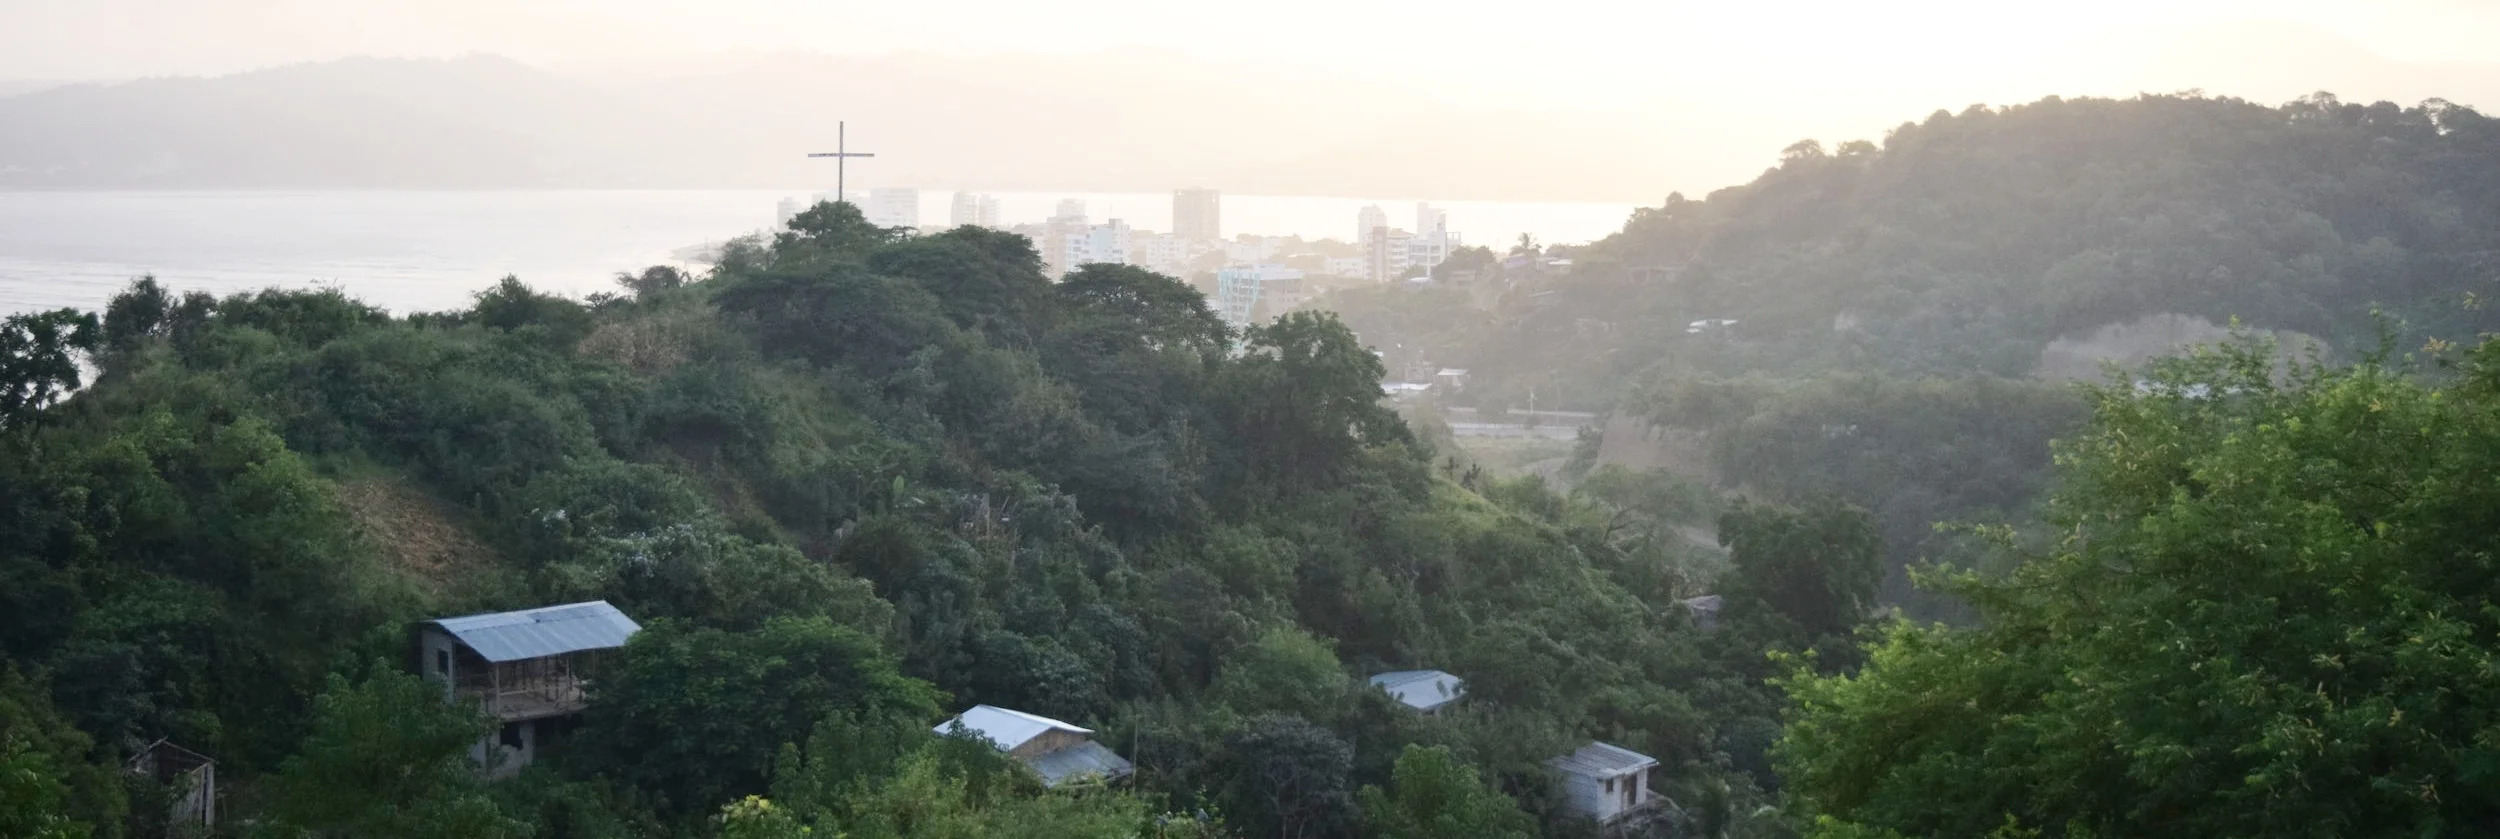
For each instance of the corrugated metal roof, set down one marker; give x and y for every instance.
(542, 632)
(1599, 760)
(1705, 610)
(1086, 759)
(1007, 729)
(1422, 690)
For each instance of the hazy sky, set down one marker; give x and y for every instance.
(1729, 82)
(1466, 51)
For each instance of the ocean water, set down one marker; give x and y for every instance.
(428, 251)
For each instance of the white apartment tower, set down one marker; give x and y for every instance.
(894, 207)
(1390, 252)
(1198, 214)
(1166, 253)
(1433, 240)
(1429, 221)
(1107, 243)
(1250, 294)
(972, 209)
(1368, 222)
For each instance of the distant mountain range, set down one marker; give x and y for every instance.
(1126, 121)
(997, 124)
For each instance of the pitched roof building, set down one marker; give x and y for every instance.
(188, 778)
(1605, 782)
(526, 668)
(1424, 690)
(1705, 610)
(1057, 751)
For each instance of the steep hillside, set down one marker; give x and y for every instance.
(1967, 243)
(848, 484)
(1904, 312)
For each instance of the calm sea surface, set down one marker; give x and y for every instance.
(421, 251)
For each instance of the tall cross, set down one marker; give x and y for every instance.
(841, 155)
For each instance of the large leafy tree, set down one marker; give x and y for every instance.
(2269, 616)
(1818, 565)
(1303, 397)
(1288, 778)
(697, 715)
(984, 279)
(1434, 794)
(388, 758)
(832, 230)
(38, 360)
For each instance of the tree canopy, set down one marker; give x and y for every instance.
(2266, 618)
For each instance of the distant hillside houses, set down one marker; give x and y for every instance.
(1061, 753)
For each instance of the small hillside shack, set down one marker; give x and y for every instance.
(1059, 752)
(1605, 782)
(188, 777)
(526, 668)
(1705, 610)
(1427, 691)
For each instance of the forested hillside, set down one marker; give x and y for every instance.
(849, 484)
(1905, 311)
(1968, 242)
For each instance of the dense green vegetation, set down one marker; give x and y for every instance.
(850, 483)
(1904, 309)
(853, 481)
(2269, 615)
(1966, 243)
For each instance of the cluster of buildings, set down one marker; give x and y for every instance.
(1392, 254)
(1253, 281)
(528, 669)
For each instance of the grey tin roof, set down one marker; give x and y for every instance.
(1422, 690)
(1078, 761)
(1004, 728)
(1598, 760)
(542, 632)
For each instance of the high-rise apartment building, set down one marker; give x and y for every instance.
(1107, 242)
(1198, 214)
(1367, 222)
(894, 207)
(1251, 294)
(1167, 253)
(1390, 252)
(1429, 220)
(972, 209)
(1066, 242)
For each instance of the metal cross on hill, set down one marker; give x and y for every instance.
(841, 155)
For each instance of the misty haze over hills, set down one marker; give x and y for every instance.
(1020, 123)
(1124, 121)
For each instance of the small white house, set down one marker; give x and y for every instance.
(1427, 691)
(526, 669)
(1604, 782)
(1057, 751)
(1705, 610)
